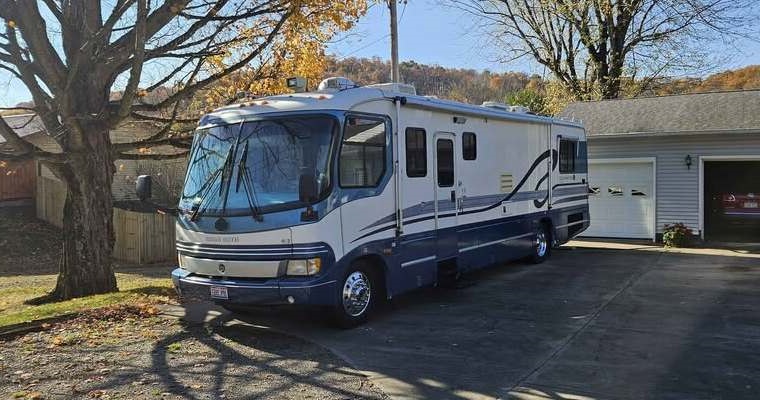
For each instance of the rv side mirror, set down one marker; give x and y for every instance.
(144, 187)
(307, 188)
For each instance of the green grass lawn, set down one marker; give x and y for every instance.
(135, 287)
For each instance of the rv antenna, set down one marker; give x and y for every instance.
(395, 78)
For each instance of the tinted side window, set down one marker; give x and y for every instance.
(567, 155)
(362, 152)
(445, 161)
(416, 153)
(469, 146)
(581, 162)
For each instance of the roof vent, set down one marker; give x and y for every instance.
(496, 105)
(404, 88)
(336, 83)
(519, 109)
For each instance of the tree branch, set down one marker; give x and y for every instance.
(189, 90)
(137, 63)
(33, 28)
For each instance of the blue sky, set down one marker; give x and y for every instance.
(428, 33)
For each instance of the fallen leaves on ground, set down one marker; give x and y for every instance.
(131, 352)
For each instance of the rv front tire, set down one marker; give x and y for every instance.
(357, 295)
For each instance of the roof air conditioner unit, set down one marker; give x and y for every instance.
(336, 83)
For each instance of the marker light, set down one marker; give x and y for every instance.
(310, 266)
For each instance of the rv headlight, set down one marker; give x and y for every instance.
(306, 267)
(179, 261)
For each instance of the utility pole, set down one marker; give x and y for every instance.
(395, 75)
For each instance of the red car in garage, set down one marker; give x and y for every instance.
(740, 207)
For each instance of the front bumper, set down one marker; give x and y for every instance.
(313, 291)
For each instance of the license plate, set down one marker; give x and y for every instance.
(219, 292)
(750, 204)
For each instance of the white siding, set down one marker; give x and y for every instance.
(677, 186)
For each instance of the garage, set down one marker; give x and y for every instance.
(621, 198)
(699, 152)
(732, 200)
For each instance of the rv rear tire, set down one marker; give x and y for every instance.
(541, 244)
(357, 295)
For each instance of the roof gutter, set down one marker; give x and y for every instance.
(668, 134)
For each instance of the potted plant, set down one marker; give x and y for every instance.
(677, 235)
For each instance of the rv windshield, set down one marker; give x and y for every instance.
(278, 152)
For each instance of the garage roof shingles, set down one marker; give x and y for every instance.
(24, 125)
(737, 111)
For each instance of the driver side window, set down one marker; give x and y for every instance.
(362, 152)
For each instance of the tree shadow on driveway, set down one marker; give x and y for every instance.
(476, 342)
(245, 361)
(622, 324)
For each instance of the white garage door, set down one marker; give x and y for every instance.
(621, 202)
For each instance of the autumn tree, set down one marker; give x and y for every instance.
(73, 54)
(592, 46)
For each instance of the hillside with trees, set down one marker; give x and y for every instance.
(466, 85)
(542, 96)
(740, 79)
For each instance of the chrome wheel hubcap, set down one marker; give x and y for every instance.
(541, 244)
(356, 294)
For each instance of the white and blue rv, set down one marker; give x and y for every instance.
(349, 195)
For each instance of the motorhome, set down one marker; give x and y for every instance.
(347, 195)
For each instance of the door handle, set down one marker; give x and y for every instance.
(453, 196)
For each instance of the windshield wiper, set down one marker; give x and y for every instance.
(224, 191)
(245, 177)
(207, 189)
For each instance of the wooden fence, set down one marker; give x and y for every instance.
(143, 238)
(17, 180)
(140, 237)
(50, 197)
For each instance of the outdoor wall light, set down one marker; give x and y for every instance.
(687, 160)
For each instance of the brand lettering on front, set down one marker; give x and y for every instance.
(223, 239)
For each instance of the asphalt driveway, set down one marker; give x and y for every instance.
(590, 323)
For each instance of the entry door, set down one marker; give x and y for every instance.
(446, 195)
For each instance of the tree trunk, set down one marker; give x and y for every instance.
(88, 237)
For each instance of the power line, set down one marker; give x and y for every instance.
(403, 12)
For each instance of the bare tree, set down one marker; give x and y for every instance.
(592, 45)
(72, 54)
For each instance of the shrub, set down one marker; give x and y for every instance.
(676, 235)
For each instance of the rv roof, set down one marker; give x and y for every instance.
(350, 98)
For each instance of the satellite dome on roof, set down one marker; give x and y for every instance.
(336, 83)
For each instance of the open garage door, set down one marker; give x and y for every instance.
(621, 199)
(732, 201)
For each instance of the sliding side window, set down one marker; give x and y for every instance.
(416, 153)
(568, 152)
(469, 146)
